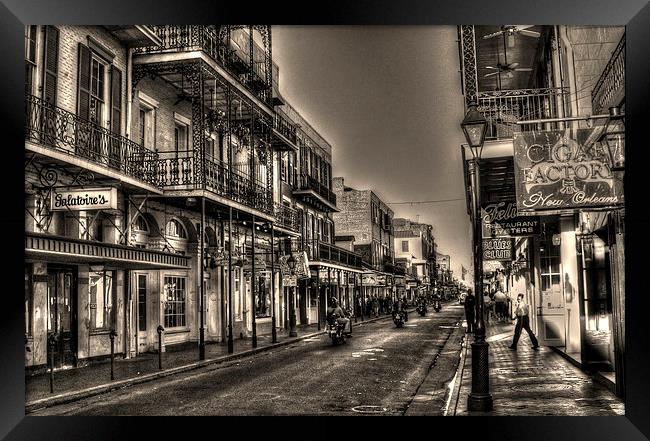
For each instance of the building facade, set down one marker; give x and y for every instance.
(365, 223)
(415, 252)
(553, 232)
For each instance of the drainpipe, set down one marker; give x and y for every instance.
(570, 70)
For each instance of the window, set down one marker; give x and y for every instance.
(30, 58)
(101, 300)
(238, 292)
(263, 295)
(142, 302)
(405, 246)
(181, 136)
(175, 229)
(97, 71)
(140, 232)
(174, 292)
(147, 121)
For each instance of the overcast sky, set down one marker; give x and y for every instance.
(388, 99)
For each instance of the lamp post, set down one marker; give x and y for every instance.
(291, 262)
(474, 127)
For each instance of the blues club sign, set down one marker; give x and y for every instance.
(562, 169)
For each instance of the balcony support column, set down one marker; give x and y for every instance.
(195, 74)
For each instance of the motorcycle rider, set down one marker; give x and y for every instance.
(335, 311)
(400, 305)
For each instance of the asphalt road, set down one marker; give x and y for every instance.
(377, 371)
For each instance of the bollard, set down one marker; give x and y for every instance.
(112, 336)
(52, 340)
(160, 330)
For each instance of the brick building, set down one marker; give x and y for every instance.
(365, 217)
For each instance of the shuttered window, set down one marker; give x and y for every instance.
(50, 64)
(83, 98)
(30, 58)
(116, 100)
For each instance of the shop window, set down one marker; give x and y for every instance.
(263, 295)
(174, 300)
(238, 293)
(101, 293)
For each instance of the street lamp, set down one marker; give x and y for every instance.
(291, 262)
(474, 127)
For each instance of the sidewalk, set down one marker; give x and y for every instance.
(531, 383)
(76, 383)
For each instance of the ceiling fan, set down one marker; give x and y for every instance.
(508, 69)
(511, 30)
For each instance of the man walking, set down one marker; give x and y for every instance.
(469, 310)
(523, 322)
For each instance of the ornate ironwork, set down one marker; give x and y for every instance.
(63, 131)
(611, 81)
(468, 60)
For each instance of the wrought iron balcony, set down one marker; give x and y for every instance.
(184, 170)
(287, 217)
(322, 251)
(610, 88)
(63, 131)
(283, 126)
(217, 42)
(308, 184)
(503, 108)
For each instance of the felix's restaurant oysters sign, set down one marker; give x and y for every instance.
(562, 169)
(84, 199)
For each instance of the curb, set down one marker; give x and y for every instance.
(68, 397)
(454, 395)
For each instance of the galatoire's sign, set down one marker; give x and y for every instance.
(500, 219)
(556, 170)
(84, 199)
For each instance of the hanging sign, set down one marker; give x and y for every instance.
(289, 281)
(86, 199)
(558, 169)
(369, 280)
(500, 219)
(302, 265)
(498, 248)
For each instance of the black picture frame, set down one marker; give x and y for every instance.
(635, 14)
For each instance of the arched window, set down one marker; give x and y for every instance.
(175, 229)
(176, 236)
(140, 232)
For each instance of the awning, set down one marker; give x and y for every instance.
(75, 251)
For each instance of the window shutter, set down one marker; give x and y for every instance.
(50, 63)
(83, 97)
(116, 100)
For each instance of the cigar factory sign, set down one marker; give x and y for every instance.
(561, 169)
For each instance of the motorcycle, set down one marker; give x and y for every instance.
(398, 319)
(335, 330)
(422, 309)
(436, 305)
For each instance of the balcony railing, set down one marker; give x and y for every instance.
(63, 131)
(306, 182)
(503, 108)
(610, 88)
(183, 170)
(231, 54)
(282, 124)
(318, 250)
(287, 217)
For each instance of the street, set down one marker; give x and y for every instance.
(377, 371)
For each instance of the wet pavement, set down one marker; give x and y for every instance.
(532, 383)
(376, 372)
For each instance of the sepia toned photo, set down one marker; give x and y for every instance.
(324, 220)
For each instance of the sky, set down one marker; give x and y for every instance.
(388, 99)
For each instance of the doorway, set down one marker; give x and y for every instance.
(141, 289)
(62, 317)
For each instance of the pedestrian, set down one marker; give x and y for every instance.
(501, 304)
(487, 307)
(368, 305)
(523, 322)
(375, 305)
(470, 304)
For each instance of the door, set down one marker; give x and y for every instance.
(141, 290)
(597, 304)
(62, 317)
(551, 308)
